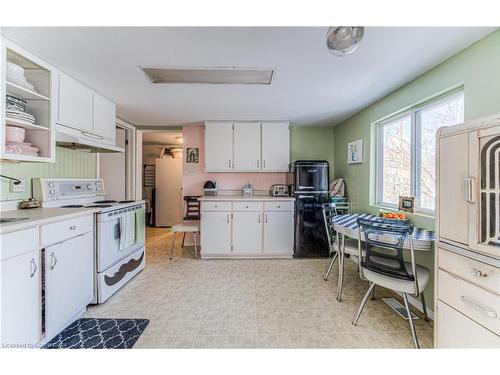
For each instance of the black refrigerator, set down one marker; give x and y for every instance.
(310, 189)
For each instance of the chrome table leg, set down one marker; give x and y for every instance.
(195, 246)
(173, 247)
(341, 269)
(331, 266)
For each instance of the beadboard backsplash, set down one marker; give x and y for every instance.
(69, 163)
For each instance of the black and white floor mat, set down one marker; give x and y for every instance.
(91, 333)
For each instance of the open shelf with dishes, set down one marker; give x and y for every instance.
(28, 107)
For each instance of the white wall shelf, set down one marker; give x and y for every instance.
(24, 93)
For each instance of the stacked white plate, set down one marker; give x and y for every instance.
(15, 74)
(23, 148)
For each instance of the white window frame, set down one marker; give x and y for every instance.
(415, 152)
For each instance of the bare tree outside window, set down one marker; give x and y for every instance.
(411, 140)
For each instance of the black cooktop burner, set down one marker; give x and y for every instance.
(72, 206)
(105, 201)
(126, 201)
(100, 205)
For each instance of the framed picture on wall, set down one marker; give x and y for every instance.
(355, 152)
(192, 155)
(406, 203)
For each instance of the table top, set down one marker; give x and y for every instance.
(350, 223)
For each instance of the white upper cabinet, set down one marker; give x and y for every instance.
(104, 117)
(219, 146)
(275, 146)
(247, 146)
(75, 104)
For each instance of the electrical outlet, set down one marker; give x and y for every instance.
(19, 188)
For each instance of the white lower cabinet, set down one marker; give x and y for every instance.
(247, 232)
(215, 232)
(247, 228)
(68, 281)
(21, 300)
(278, 232)
(455, 330)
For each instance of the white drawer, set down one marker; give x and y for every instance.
(62, 230)
(477, 303)
(17, 243)
(476, 272)
(455, 330)
(247, 206)
(278, 206)
(216, 206)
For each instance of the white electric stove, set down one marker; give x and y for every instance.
(119, 235)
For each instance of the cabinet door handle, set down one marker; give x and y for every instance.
(229, 163)
(477, 273)
(258, 164)
(265, 218)
(476, 305)
(227, 218)
(34, 267)
(73, 227)
(53, 260)
(90, 135)
(259, 218)
(469, 189)
(263, 164)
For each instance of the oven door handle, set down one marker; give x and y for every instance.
(118, 230)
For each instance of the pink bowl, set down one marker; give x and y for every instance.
(15, 134)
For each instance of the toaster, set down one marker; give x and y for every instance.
(280, 190)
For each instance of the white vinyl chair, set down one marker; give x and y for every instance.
(185, 228)
(381, 263)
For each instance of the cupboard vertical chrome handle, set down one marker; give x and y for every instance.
(53, 260)
(229, 163)
(263, 164)
(476, 305)
(227, 218)
(259, 218)
(258, 164)
(266, 219)
(469, 189)
(34, 267)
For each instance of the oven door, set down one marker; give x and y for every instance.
(110, 233)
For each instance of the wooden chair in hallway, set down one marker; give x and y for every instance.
(192, 214)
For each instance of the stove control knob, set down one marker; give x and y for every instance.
(52, 191)
(89, 187)
(51, 184)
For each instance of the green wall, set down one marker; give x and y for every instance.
(69, 163)
(312, 142)
(477, 68)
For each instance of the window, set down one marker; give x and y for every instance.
(406, 151)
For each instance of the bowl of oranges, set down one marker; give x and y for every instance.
(399, 216)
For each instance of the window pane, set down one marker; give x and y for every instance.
(396, 151)
(444, 114)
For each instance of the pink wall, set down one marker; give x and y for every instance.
(194, 175)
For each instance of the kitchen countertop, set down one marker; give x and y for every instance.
(39, 216)
(239, 198)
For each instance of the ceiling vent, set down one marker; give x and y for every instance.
(214, 76)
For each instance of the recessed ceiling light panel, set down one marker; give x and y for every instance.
(217, 76)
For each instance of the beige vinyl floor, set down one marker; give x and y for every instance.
(272, 303)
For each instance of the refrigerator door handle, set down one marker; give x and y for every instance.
(305, 196)
(469, 190)
(306, 187)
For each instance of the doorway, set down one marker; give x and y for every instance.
(162, 176)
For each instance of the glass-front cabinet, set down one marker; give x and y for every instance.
(28, 106)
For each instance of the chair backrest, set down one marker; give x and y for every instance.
(329, 211)
(383, 247)
(192, 207)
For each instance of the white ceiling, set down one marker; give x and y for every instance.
(161, 139)
(311, 86)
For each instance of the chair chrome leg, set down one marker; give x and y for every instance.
(195, 246)
(373, 294)
(424, 307)
(173, 247)
(363, 303)
(410, 320)
(331, 266)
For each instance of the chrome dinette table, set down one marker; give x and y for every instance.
(347, 225)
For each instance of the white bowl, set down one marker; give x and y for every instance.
(15, 134)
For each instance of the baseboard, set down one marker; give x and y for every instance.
(417, 303)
